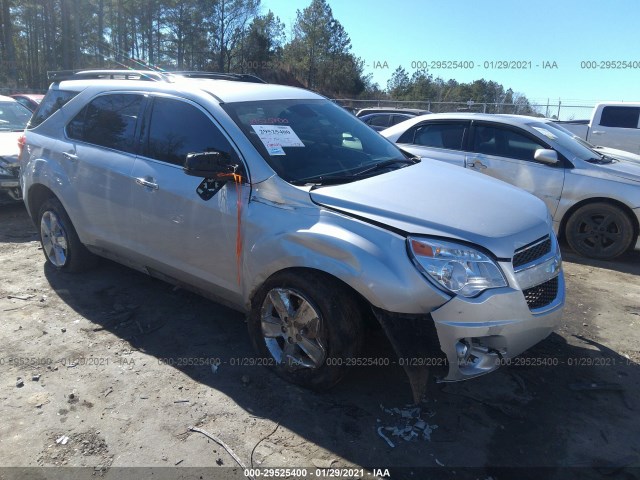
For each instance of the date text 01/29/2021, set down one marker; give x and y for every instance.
(316, 473)
(499, 64)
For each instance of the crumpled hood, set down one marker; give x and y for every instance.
(434, 198)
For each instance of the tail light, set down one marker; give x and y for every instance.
(22, 140)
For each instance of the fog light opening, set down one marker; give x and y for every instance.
(475, 357)
(462, 351)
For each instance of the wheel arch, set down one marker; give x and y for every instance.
(361, 301)
(616, 203)
(37, 195)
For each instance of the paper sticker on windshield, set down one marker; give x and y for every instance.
(273, 136)
(274, 149)
(546, 133)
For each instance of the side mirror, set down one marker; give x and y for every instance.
(217, 165)
(545, 155)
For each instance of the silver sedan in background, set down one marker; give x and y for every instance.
(594, 197)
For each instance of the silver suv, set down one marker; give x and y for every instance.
(279, 203)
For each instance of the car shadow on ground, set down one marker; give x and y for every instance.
(564, 403)
(628, 262)
(17, 227)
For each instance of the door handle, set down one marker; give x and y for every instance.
(148, 183)
(70, 156)
(598, 132)
(477, 164)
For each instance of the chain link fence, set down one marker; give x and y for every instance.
(549, 110)
(558, 111)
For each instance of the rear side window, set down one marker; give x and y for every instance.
(108, 121)
(399, 118)
(53, 101)
(379, 120)
(439, 135)
(622, 117)
(178, 128)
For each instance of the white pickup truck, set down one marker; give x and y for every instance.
(613, 124)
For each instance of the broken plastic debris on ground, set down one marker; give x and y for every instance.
(408, 424)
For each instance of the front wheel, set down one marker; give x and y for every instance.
(599, 230)
(60, 243)
(307, 327)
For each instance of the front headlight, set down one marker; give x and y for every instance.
(455, 267)
(4, 172)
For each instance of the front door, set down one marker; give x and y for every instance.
(188, 230)
(507, 154)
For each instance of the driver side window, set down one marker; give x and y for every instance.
(178, 128)
(504, 142)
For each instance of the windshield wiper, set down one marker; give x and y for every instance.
(324, 180)
(601, 161)
(386, 164)
(320, 180)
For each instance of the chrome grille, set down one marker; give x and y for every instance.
(532, 252)
(541, 295)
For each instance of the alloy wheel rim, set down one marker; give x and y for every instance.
(599, 233)
(291, 327)
(54, 239)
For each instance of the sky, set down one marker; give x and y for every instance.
(569, 50)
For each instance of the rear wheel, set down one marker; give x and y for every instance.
(599, 230)
(308, 328)
(60, 243)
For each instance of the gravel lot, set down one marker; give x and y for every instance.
(110, 369)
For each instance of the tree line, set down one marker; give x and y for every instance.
(210, 35)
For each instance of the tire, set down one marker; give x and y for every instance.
(312, 350)
(599, 230)
(60, 243)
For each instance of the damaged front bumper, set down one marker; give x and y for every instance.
(11, 187)
(477, 334)
(9, 179)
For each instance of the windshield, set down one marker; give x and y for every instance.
(13, 116)
(307, 139)
(558, 135)
(578, 139)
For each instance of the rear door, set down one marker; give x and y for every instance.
(98, 154)
(186, 230)
(507, 153)
(619, 127)
(441, 140)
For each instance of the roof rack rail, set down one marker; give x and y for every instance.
(238, 77)
(150, 75)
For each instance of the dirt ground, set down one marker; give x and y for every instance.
(110, 369)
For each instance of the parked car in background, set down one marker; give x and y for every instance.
(13, 120)
(406, 111)
(381, 118)
(607, 151)
(380, 121)
(281, 204)
(594, 198)
(29, 100)
(612, 124)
